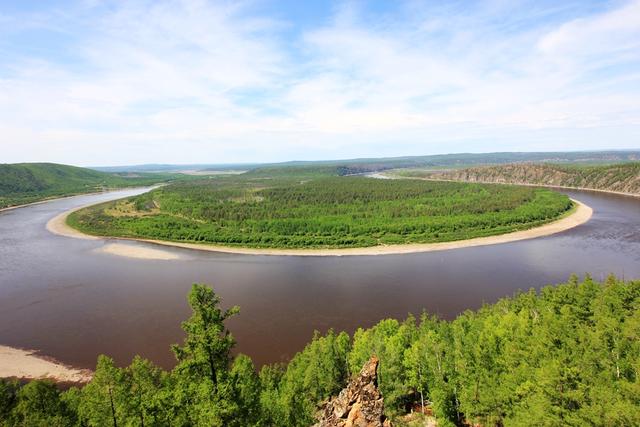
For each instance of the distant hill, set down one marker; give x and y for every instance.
(623, 177)
(363, 165)
(154, 167)
(29, 182)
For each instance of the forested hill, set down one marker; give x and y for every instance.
(624, 177)
(29, 182)
(363, 165)
(567, 355)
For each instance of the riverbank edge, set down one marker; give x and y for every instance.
(69, 196)
(580, 215)
(28, 365)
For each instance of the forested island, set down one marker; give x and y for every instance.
(566, 355)
(309, 208)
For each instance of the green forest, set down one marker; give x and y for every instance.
(313, 210)
(31, 182)
(565, 355)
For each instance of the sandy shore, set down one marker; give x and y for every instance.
(58, 225)
(580, 215)
(17, 363)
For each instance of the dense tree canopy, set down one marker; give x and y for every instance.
(567, 355)
(322, 212)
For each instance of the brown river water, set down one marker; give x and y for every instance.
(58, 295)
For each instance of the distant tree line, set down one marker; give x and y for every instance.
(567, 355)
(30, 182)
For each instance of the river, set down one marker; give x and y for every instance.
(63, 297)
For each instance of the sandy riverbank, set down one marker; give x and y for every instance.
(580, 215)
(58, 225)
(17, 363)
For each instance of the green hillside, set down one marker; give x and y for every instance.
(435, 161)
(30, 182)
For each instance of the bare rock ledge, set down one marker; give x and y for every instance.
(359, 405)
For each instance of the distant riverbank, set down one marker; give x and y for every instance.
(580, 214)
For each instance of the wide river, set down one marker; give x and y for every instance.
(61, 296)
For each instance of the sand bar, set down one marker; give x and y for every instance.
(140, 252)
(580, 215)
(17, 363)
(58, 225)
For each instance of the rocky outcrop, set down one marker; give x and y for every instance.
(624, 178)
(359, 405)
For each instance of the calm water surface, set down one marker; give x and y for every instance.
(61, 297)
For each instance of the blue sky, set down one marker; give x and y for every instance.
(113, 82)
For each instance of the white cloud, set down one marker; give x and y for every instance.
(195, 81)
(611, 32)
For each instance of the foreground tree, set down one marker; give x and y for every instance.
(101, 398)
(8, 397)
(202, 388)
(207, 347)
(39, 404)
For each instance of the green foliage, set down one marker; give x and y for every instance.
(322, 212)
(567, 355)
(206, 350)
(103, 399)
(207, 391)
(388, 340)
(142, 382)
(39, 404)
(245, 384)
(313, 375)
(30, 182)
(8, 397)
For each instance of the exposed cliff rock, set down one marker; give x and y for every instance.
(358, 405)
(621, 177)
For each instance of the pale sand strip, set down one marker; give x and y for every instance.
(581, 214)
(17, 363)
(58, 225)
(136, 252)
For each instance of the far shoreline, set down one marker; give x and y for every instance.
(69, 196)
(580, 215)
(524, 184)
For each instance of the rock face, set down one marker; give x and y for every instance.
(358, 405)
(621, 177)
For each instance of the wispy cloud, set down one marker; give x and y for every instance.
(195, 81)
